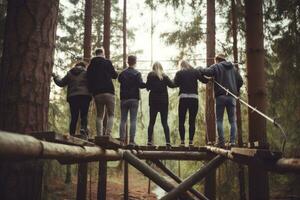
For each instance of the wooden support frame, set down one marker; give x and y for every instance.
(152, 174)
(198, 176)
(161, 166)
(102, 180)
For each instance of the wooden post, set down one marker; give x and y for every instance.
(82, 182)
(151, 173)
(210, 181)
(102, 182)
(192, 180)
(161, 166)
(258, 178)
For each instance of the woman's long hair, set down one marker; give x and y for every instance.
(184, 65)
(158, 70)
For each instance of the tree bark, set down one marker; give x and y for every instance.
(106, 38)
(241, 172)
(25, 73)
(258, 178)
(87, 40)
(124, 33)
(210, 181)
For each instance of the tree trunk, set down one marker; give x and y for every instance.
(241, 172)
(210, 181)
(258, 179)
(106, 39)
(25, 85)
(87, 40)
(124, 33)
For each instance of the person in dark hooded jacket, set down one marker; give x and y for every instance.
(228, 76)
(78, 95)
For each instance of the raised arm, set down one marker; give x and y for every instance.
(200, 76)
(61, 82)
(208, 71)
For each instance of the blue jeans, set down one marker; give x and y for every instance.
(229, 103)
(128, 105)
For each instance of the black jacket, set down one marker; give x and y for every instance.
(100, 73)
(76, 80)
(187, 79)
(225, 74)
(130, 83)
(158, 89)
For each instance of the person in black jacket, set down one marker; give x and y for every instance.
(130, 83)
(78, 95)
(228, 76)
(187, 81)
(100, 74)
(157, 83)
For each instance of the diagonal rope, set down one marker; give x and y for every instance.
(273, 121)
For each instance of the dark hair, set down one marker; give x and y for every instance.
(131, 60)
(81, 63)
(99, 51)
(220, 58)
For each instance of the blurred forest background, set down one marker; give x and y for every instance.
(282, 61)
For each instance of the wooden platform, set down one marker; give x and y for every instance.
(51, 136)
(107, 142)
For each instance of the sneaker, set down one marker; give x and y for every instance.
(149, 144)
(168, 145)
(220, 145)
(132, 144)
(182, 144)
(231, 144)
(191, 145)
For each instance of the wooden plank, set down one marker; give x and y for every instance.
(107, 142)
(51, 136)
(259, 153)
(164, 148)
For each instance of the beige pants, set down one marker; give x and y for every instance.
(104, 101)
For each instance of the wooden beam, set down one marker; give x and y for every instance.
(192, 180)
(171, 155)
(151, 173)
(161, 166)
(51, 136)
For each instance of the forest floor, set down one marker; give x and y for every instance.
(138, 188)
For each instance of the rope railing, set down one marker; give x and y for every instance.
(273, 121)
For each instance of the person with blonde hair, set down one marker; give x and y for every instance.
(157, 83)
(187, 81)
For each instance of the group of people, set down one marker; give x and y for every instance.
(95, 81)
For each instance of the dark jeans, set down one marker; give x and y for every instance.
(79, 104)
(129, 105)
(163, 109)
(229, 103)
(190, 105)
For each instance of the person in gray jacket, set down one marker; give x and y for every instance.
(228, 76)
(78, 95)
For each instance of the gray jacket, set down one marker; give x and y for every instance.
(76, 80)
(225, 74)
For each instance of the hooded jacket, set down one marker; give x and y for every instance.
(130, 83)
(225, 74)
(76, 80)
(100, 74)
